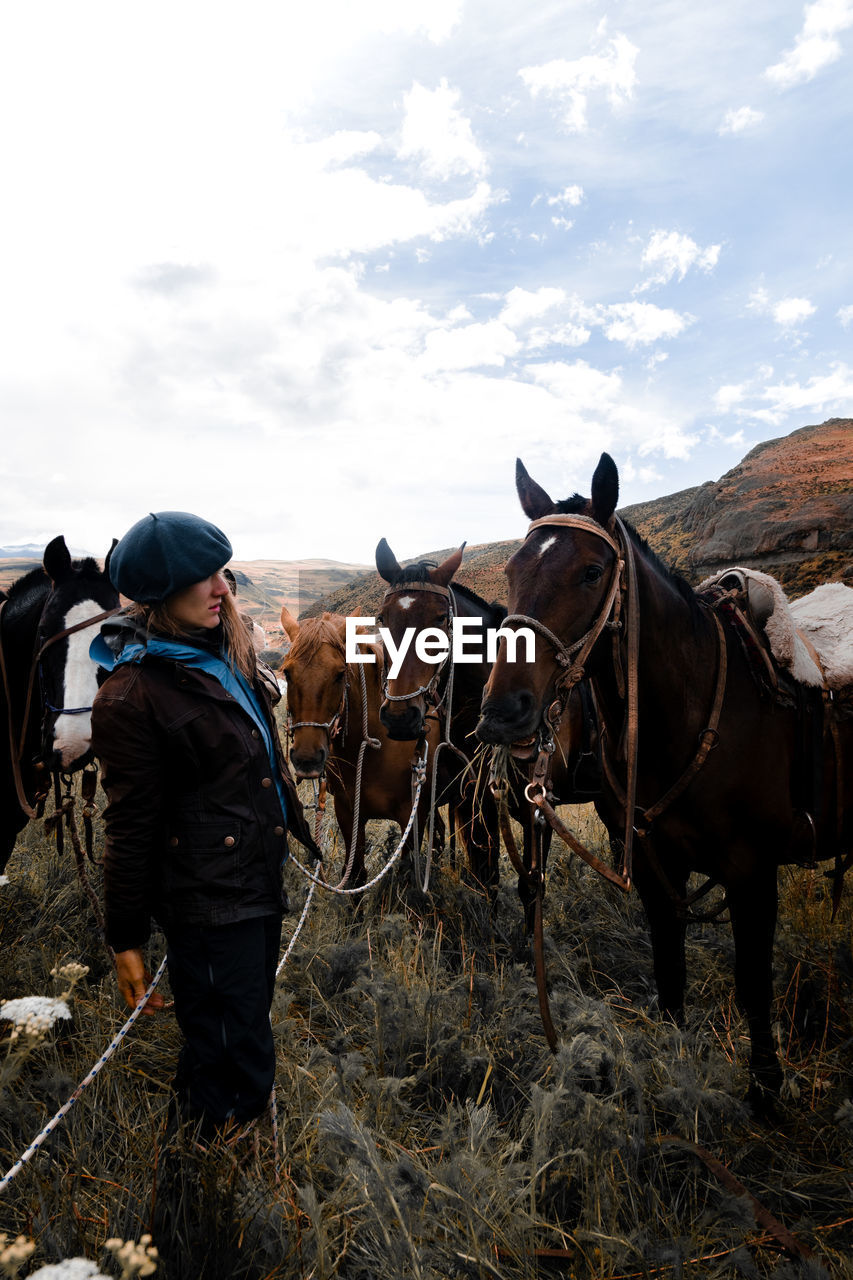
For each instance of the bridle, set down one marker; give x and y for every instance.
(332, 727)
(621, 598)
(428, 689)
(17, 742)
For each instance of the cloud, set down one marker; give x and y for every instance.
(668, 254)
(525, 304)
(816, 45)
(792, 312)
(788, 313)
(728, 396)
(845, 315)
(570, 196)
(820, 394)
(435, 132)
(640, 323)
(470, 347)
(572, 83)
(739, 119)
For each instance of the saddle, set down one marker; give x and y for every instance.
(810, 640)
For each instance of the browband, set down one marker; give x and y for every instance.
(576, 522)
(444, 592)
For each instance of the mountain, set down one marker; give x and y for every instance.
(786, 508)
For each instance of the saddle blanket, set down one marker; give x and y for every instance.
(823, 618)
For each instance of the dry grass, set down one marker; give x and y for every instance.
(425, 1129)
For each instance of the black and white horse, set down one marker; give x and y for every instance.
(47, 622)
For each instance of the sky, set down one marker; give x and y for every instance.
(319, 273)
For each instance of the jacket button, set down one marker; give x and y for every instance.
(255, 733)
(278, 831)
(266, 782)
(229, 842)
(174, 842)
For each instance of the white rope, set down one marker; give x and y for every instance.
(102, 1061)
(421, 776)
(120, 1035)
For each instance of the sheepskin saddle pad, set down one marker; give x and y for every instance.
(822, 619)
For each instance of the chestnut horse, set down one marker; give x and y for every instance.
(326, 709)
(49, 682)
(702, 763)
(424, 596)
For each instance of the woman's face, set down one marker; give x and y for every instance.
(199, 605)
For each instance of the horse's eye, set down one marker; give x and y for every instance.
(339, 675)
(592, 573)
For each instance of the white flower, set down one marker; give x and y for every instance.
(70, 1269)
(33, 1015)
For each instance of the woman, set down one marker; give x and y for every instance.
(199, 805)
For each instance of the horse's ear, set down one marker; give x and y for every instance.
(289, 624)
(386, 562)
(443, 574)
(605, 489)
(57, 560)
(109, 557)
(535, 502)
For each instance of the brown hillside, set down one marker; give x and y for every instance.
(786, 508)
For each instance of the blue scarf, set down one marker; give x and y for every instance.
(232, 682)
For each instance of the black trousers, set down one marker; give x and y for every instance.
(222, 979)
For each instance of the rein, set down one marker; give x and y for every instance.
(17, 743)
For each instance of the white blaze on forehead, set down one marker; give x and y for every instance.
(549, 542)
(72, 735)
(406, 602)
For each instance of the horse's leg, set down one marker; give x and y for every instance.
(667, 931)
(753, 904)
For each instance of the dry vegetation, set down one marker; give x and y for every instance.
(425, 1130)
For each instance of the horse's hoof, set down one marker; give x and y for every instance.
(762, 1096)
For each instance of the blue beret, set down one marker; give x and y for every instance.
(165, 552)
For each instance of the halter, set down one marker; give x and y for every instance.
(333, 726)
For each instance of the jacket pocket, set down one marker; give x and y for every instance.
(203, 860)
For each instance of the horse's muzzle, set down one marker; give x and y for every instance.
(310, 765)
(404, 726)
(513, 718)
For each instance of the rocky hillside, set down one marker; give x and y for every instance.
(786, 508)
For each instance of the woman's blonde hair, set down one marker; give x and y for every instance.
(237, 647)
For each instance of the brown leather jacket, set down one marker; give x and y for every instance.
(194, 828)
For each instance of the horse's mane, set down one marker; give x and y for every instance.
(27, 590)
(313, 634)
(419, 572)
(580, 506)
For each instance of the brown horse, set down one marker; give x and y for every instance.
(325, 702)
(424, 597)
(702, 762)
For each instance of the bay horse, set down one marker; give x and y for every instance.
(49, 682)
(426, 597)
(326, 707)
(700, 765)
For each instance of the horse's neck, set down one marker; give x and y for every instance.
(469, 678)
(675, 643)
(19, 622)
